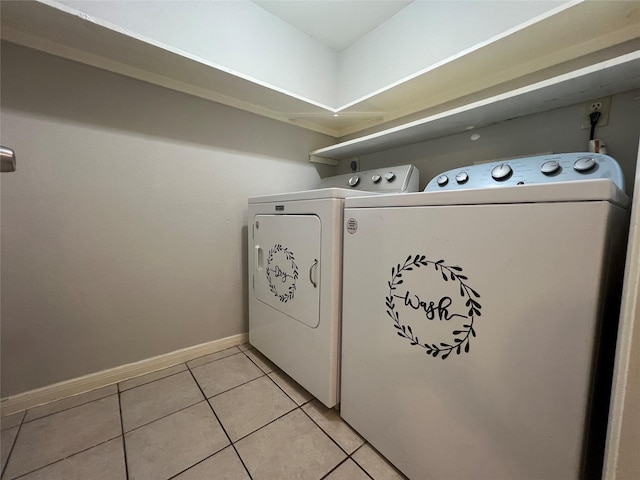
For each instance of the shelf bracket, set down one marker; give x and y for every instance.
(323, 160)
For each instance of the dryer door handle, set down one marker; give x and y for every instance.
(314, 265)
(259, 256)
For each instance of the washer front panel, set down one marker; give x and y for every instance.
(469, 334)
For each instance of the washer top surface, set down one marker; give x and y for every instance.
(565, 177)
(552, 168)
(586, 190)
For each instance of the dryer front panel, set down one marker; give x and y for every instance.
(286, 270)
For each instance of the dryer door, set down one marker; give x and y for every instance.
(287, 265)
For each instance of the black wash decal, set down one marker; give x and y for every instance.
(282, 273)
(455, 318)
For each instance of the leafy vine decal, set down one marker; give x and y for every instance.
(279, 273)
(461, 337)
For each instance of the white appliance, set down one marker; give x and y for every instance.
(295, 267)
(472, 318)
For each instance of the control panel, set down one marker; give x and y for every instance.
(399, 179)
(563, 167)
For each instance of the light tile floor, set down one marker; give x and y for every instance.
(228, 415)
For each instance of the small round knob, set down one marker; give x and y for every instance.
(442, 180)
(584, 164)
(462, 177)
(376, 178)
(389, 177)
(501, 172)
(550, 167)
(353, 181)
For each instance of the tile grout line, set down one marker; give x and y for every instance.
(276, 383)
(269, 423)
(198, 462)
(327, 433)
(13, 445)
(362, 469)
(346, 460)
(124, 445)
(206, 399)
(150, 381)
(284, 391)
(334, 468)
(358, 463)
(68, 408)
(231, 443)
(349, 455)
(232, 388)
(254, 362)
(162, 417)
(299, 406)
(215, 359)
(220, 423)
(61, 459)
(118, 390)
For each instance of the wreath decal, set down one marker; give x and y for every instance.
(278, 273)
(461, 338)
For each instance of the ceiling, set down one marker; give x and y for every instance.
(336, 24)
(533, 51)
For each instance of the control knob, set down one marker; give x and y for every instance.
(353, 181)
(462, 177)
(550, 167)
(501, 172)
(376, 178)
(442, 180)
(389, 177)
(584, 164)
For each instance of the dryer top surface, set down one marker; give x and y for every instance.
(317, 194)
(397, 179)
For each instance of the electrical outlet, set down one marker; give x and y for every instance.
(598, 105)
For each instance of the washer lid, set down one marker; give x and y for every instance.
(574, 191)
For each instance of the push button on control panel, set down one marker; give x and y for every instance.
(442, 180)
(550, 167)
(584, 164)
(390, 177)
(501, 172)
(462, 177)
(376, 178)
(353, 181)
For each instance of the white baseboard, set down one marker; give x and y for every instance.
(75, 386)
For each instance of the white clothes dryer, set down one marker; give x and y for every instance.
(473, 314)
(295, 268)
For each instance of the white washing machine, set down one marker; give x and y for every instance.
(472, 318)
(295, 267)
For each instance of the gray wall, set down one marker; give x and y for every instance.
(123, 228)
(554, 131)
